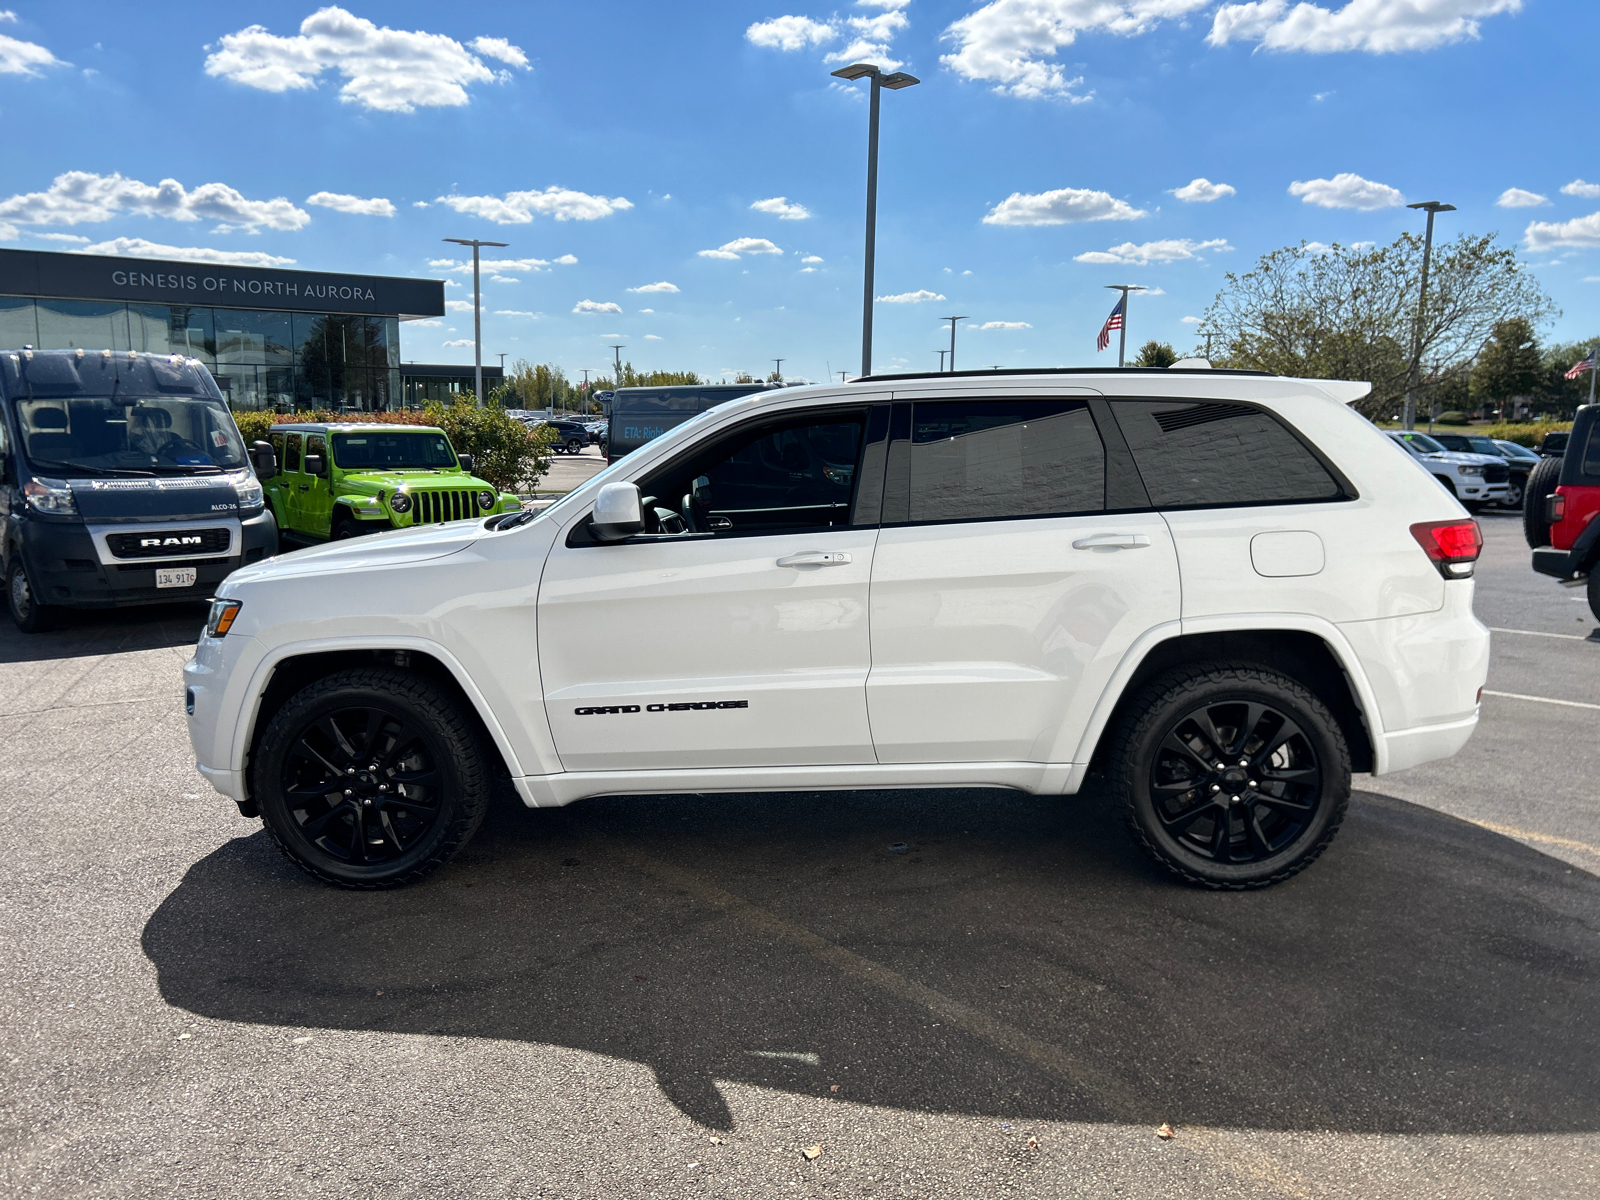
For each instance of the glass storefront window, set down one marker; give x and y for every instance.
(176, 329)
(89, 324)
(391, 343)
(18, 325)
(263, 338)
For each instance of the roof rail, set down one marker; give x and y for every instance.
(1064, 371)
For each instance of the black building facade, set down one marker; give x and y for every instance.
(274, 338)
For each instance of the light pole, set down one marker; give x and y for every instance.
(894, 83)
(1124, 288)
(952, 321)
(477, 312)
(941, 355)
(616, 349)
(1409, 418)
(585, 371)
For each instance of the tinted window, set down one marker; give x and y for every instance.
(992, 459)
(1211, 453)
(1591, 451)
(774, 478)
(392, 451)
(291, 453)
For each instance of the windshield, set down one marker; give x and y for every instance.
(392, 451)
(1422, 442)
(183, 435)
(1512, 450)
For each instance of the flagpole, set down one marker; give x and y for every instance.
(1594, 353)
(1122, 344)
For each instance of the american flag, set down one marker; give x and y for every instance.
(1114, 321)
(1587, 364)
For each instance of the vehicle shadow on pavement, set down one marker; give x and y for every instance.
(1426, 976)
(88, 633)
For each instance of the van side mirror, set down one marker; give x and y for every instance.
(264, 460)
(466, 462)
(618, 513)
(315, 464)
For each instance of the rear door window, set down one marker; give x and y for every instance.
(975, 460)
(291, 452)
(1207, 454)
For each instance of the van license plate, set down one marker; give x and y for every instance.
(176, 576)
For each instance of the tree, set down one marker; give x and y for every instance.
(1555, 394)
(1156, 354)
(1508, 366)
(1342, 312)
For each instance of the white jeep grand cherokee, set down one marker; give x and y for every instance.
(1226, 590)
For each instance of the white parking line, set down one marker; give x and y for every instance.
(1540, 699)
(1571, 637)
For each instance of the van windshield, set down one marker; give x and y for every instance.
(392, 451)
(177, 435)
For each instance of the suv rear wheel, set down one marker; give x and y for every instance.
(370, 779)
(1542, 482)
(1232, 776)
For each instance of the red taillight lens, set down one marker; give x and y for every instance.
(1555, 509)
(1453, 546)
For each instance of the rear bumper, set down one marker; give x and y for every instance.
(1558, 564)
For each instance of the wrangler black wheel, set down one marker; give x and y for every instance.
(1233, 777)
(370, 779)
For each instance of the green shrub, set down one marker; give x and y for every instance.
(1451, 418)
(1528, 434)
(504, 451)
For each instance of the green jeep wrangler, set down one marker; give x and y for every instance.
(341, 481)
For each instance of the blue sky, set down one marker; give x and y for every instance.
(614, 144)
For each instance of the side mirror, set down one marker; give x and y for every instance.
(466, 462)
(700, 491)
(618, 513)
(315, 464)
(265, 461)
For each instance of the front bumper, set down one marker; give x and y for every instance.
(66, 567)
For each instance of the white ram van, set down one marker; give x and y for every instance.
(1226, 589)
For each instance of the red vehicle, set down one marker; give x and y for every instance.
(1563, 499)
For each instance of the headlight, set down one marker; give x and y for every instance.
(1466, 470)
(400, 502)
(249, 490)
(222, 616)
(486, 499)
(50, 496)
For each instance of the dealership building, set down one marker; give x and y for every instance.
(273, 338)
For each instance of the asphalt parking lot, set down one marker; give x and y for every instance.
(687, 996)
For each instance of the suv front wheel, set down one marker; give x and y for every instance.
(1232, 776)
(370, 778)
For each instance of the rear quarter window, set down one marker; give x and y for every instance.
(1206, 454)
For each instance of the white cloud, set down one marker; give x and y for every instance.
(1203, 191)
(504, 279)
(419, 204)
(519, 208)
(1376, 26)
(1518, 198)
(82, 197)
(812, 258)
(339, 202)
(1060, 207)
(651, 288)
(389, 70)
(1347, 191)
(1589, 191)
(500, 49)
(740, 246)
(647, 310)
(1168, 250)
(69, 238)
(566, 260)
(650, 337)
(873, 35)
(1581, 232)
(596, 306)
(513, 312)
(808, 270)
(1318, 248)
(139, 248)
(430, 323)
(1189, 320)
(790, 33)
(780, 207)
(458, 306)
(457, 342)
(24, 58)
(921, 296)
(1004, 325)
(1012, 43)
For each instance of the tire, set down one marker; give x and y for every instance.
(1542, 482)
(1514, 493)
(346, 528)
(346, 824)
(1594, 592)
(574, 446)
(29, 615)
(1229, 830)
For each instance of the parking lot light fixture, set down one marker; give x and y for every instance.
(894, 82)
(952, 320)
(1409, 418)
(477, 313)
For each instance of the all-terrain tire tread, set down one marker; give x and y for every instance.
(1542, 482)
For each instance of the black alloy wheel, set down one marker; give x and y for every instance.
(1234, 777)
(370, 779)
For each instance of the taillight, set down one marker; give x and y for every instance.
(1555, 508)
(1452, 546)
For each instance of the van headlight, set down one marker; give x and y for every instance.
(53, 496)
(249, 492)
(400, 502)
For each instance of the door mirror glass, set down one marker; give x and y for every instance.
(618, 513)
(265, 461)
(316, 465)
(701, 492)
(466, 462)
